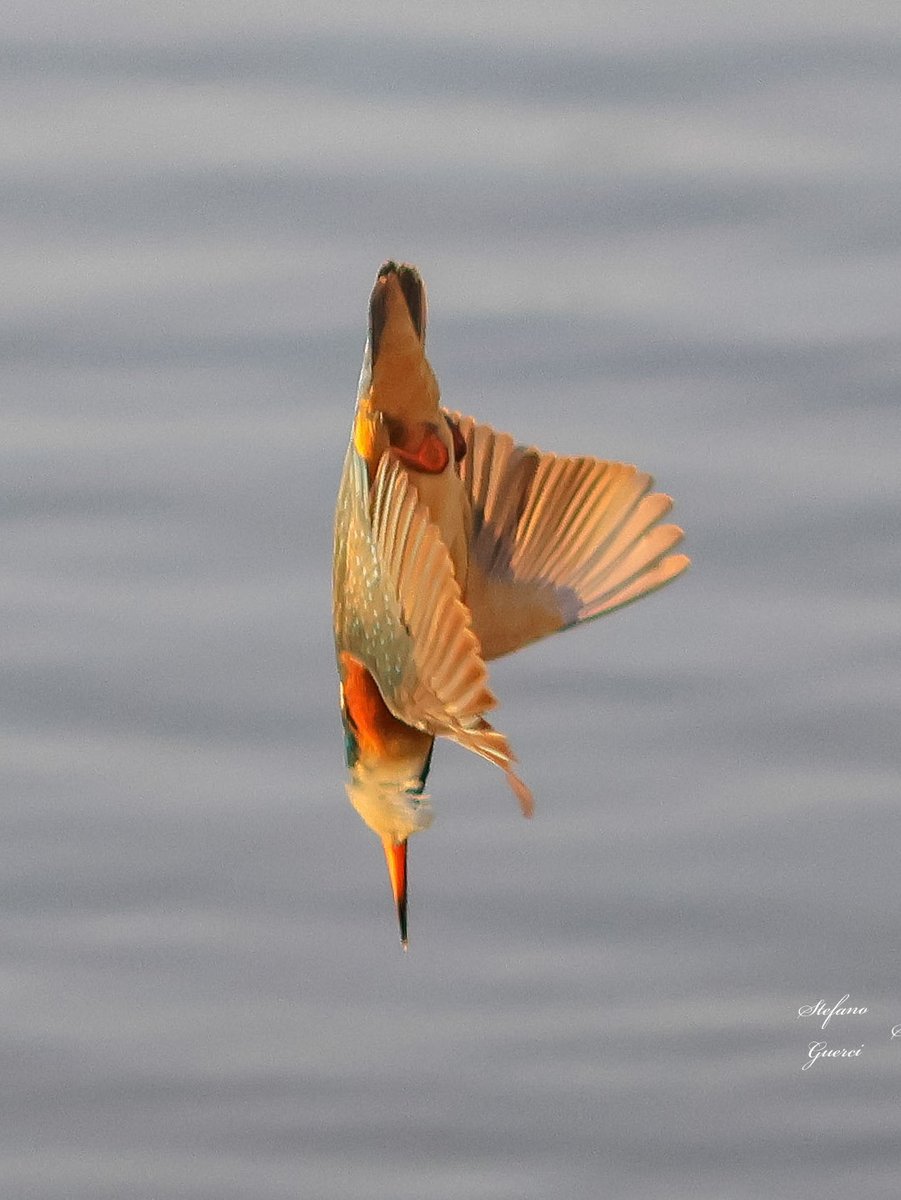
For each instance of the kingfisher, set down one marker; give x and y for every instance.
(455, 545)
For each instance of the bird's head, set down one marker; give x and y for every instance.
(388, 764)
(394, 807)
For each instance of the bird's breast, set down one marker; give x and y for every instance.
(378, 732)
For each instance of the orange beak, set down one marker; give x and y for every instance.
(396, 857)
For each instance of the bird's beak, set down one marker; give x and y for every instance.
(396, 857)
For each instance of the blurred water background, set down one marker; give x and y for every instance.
(666, 233)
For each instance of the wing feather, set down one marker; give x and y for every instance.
(556, 540)
(443, 687)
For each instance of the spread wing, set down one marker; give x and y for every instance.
(399, 609)
(555, 540)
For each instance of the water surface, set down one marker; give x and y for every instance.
(670, 240)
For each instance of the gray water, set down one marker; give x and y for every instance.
(664, 233)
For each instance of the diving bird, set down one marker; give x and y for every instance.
(455, 545)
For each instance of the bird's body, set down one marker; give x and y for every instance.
(453, 546)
